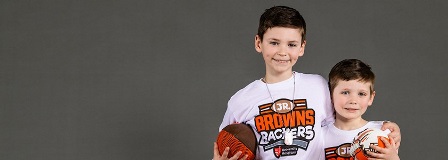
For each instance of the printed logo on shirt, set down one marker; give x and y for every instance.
(341, 152)
(283, 116)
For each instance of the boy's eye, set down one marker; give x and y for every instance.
(273, 43)
(362, 94)
(292, 45)
(344, 92)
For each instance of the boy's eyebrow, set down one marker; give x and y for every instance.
(295, 41)
(274, 39)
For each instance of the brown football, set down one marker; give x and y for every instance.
(238, 137)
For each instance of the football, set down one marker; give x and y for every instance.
(361, 143)
(238, 137)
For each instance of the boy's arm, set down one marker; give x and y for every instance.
(395, 131)
(228, 118)
(390, 152)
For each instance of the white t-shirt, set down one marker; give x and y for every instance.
(303, 115)
(337, 142)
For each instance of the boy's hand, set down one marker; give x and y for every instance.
(390, 151)
(216, 155)
(395, 132)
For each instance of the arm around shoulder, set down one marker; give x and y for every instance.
(395, 131)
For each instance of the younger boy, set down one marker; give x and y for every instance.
(352, 92)
(286, 109)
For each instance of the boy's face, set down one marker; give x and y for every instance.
(351, 98)
(280, 47)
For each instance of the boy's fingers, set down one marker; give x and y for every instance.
(245, 157)
(386, 142)
(377, 148)
(374, 155)
(395, 134)
(381, 153)
(215, 149)
(397, 145)
(226, 152)
(236, 156)
(392, 142)
(394, 145)
(395, 131)
(396, 138)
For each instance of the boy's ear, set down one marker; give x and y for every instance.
(372, 96)
(302, 50)
(258, 43)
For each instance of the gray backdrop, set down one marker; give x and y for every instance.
(134, 80)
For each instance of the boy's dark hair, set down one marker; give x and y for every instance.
(281, 16)
(350, 69)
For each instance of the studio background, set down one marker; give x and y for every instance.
(134, 80)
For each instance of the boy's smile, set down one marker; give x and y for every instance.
(280, 47)
(281, 61)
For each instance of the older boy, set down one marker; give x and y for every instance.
(352, 92)
(286, 109)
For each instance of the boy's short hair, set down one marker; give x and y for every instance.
(351, 69)
(281, 16)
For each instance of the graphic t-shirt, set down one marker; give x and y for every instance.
(337, 142)
(273, 109)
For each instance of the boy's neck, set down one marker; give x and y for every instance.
(349, 124)
(277, 77)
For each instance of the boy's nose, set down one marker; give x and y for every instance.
(352, 101)
(283, 50)
(281, 53)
